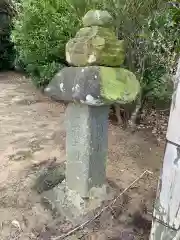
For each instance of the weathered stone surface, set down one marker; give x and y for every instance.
(94, 85)
(49, 178)
(86, 145)
(95, 46)
(118, 85)
(72, 206)
(97, 18)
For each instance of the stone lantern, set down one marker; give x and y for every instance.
(92, 83)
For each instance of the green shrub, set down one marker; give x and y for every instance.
(43, 27)
(162, 41)
(40, 33)
(152, 40)
(6, 46)
(7, 53)
(41, 30)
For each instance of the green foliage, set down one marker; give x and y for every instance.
(175, 11)
(40, 33)
(152, 41)
(161, 42)
(41, 30)
(7, 6)
(148, 27)
(157, 84)
(6, 47)
(6, 52)
(43, 72)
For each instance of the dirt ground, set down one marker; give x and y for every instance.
(32, 135)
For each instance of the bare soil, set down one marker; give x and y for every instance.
(32, 136)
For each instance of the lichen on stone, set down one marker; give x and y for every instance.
(95, 46)
(94, 85)
(118, 85)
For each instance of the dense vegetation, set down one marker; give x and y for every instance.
(149, 27)
(7, 53)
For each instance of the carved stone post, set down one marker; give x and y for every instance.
(93, 83)
(87, 146)
(166, 223)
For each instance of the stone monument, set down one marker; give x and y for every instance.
(90, 86)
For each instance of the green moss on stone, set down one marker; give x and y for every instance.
(91, 32)
(118, 85)
(95, 46)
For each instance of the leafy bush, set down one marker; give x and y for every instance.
(162, 38)
(6, 46)
(151, 42)
(43, 27)
(7, 53)
(41, 30)
(40, 33)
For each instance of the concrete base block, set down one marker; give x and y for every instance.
(72, 206)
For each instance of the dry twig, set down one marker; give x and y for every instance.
(79, 227)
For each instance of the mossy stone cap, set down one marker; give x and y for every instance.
(94, 85)
(97, 18)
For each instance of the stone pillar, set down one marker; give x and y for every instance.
(92, 83)
(86, 146)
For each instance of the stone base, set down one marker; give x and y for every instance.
(72, 206)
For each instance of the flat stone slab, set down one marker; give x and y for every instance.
(94, 85)
(74, 208)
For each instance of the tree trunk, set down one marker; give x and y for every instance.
(118, 114)
(136, 113)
